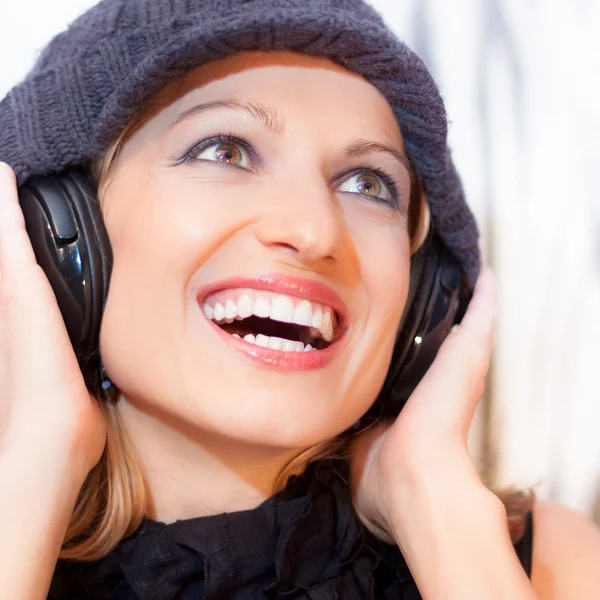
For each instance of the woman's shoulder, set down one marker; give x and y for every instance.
(566, 553)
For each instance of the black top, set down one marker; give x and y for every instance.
(304, 543)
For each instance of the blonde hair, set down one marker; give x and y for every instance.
(115, 496)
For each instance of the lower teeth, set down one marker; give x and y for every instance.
(276, 343)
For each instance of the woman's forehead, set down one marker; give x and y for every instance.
(260, 77)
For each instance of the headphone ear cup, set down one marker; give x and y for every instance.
(70, 242)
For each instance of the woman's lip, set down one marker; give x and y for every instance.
(307, 289)
(292, 361)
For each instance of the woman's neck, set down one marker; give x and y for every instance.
(193, 474)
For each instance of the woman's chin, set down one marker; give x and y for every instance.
(291, 427)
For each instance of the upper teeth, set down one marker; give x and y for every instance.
(237, 304)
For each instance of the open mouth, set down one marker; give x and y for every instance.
(275, 321)
(276, 335)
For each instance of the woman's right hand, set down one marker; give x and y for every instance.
(48, 418)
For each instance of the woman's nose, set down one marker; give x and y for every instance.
(306, 221)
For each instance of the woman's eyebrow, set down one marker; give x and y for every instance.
(274, 122)
(362, 147)
(270, 118)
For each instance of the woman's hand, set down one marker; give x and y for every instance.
(416, 479)
(49, 422)
(426, 447)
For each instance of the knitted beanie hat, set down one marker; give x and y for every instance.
(91, 79)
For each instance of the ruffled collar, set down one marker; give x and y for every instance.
(304, 542)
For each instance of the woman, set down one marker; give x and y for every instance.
(242, 190)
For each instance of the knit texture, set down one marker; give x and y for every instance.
(91, 79)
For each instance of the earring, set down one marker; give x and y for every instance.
(109, 389)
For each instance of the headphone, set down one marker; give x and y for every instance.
(69, 239)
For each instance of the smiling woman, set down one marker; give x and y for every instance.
(249, 166)
(266, 205)
(256, 308)
(270, 195)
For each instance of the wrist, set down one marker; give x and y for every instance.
(29, 473)
(435, 485)
(36, 507)
(447, 502)
(455, 540)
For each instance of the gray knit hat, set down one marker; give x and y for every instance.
(92, 78)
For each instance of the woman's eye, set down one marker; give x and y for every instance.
(368, 183)
(223, 152)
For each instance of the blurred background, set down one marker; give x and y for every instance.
(521, 84)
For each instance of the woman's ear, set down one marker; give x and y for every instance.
(419, 216)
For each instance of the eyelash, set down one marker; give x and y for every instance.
(189, 155)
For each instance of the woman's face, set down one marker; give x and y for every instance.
(298, 213)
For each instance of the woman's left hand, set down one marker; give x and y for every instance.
(426, 447)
